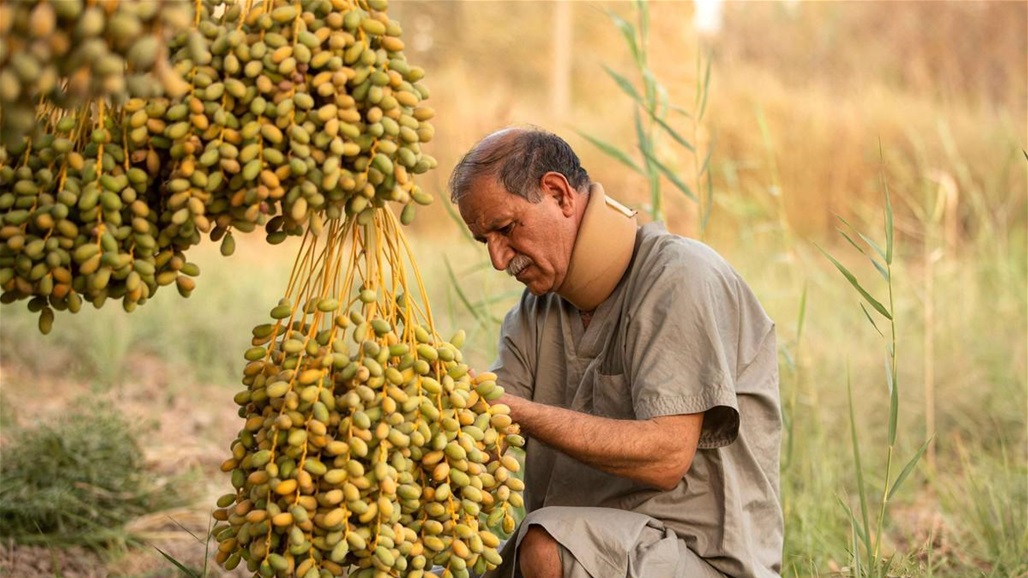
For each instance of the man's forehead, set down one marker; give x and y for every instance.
(484, 197)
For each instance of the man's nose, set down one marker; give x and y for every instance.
(499, 253)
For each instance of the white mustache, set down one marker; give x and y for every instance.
(517, 264)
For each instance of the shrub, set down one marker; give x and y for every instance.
(77, 480)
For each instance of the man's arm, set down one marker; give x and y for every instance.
(656, 452)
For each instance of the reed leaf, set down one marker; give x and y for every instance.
(612, 151)
(628, 32)
(673, 133)
(856, 285)
(907, 469)
(624, 85)
(182, 568)
(643, 9)
(888, 223)
(703, 90)
(671, 176)
(871, 319)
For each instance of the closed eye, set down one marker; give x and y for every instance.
(505, 230)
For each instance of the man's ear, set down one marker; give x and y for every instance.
(556, 186)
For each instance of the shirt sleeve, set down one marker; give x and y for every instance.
(682, 341)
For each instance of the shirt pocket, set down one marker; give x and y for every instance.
(612, 396)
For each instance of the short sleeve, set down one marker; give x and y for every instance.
(683, 339)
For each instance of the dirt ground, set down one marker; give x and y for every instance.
(187, 427)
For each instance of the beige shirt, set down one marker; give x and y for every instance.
(681, 333)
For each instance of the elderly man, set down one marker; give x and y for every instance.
(641, 368)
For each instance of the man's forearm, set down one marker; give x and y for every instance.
(656, 452)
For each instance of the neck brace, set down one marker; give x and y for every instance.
(603, 249)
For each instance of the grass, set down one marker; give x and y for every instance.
(78, 481)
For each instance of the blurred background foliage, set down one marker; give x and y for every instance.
(811, 107)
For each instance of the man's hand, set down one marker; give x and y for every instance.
(656, 452)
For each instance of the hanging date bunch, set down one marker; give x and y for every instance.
(65, 52)
(276, 114)
(368, 446)
(77, 213)
(80, 218)
(297, 112)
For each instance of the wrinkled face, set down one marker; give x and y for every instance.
(530, 241)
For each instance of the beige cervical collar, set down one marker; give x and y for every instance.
(603, 249)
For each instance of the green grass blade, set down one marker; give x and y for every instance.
(190, 532)
(628, 32)
(624, 85)
(705, 87)
(850, 240)
(182, 568)
(644, 139)
(871, 319)
(861, 490)
(874, 245)
(671, 176)
(907, 469)
(859, 533)
(652, 89)
(878, 266)
(611, 151)
(644, 23)
(856, 285)
(673, 133)
(881, 269)
(888, 223)
(890, 377)
(870, 242)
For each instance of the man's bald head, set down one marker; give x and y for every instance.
(517, 158)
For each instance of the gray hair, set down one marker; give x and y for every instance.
(518, 158)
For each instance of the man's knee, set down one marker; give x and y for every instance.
(538, 555)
